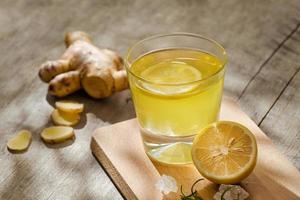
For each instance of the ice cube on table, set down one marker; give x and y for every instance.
(234, 192)
(166, 184)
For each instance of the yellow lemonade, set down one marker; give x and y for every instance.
(176, 93)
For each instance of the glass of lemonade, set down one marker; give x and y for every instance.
(176, 81)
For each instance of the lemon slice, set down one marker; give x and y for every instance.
(224, 152)
(170, 72)
(177, 153)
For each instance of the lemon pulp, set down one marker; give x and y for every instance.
(225, 152)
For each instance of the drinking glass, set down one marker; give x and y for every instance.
(176, 82)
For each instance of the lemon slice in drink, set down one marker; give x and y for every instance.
(172, 73)
(177, 153)
(224, 152)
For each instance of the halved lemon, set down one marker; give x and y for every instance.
(225, 152)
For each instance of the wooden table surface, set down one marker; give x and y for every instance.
(262, 39)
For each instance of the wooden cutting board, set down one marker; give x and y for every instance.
(120, 151)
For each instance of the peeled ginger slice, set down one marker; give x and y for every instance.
(20, 142)
(57, 134)
(69, 106)
(64, 118)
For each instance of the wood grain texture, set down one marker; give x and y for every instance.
(268, 84)
(274, 177)
(282, 122)
(272, 99)
(32, 32)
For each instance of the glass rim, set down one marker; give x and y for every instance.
(129, 51)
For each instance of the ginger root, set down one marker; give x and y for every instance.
(100, 72)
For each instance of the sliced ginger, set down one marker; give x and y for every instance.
(20, 142)
(69, 106)
(64, 118)
(57, 134)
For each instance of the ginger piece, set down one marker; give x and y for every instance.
(53, 68)
(77, 35)
(64, 118)
(65, 83)
(57, 134)
(20, 142)
(69, 106)
(100, 72)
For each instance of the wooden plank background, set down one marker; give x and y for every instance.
(262, 39)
